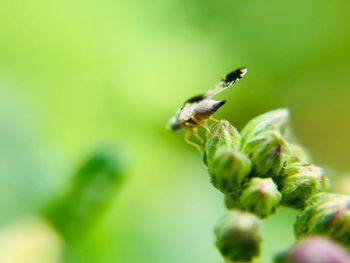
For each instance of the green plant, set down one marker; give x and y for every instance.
(92, 187)
(261, 168)
(77, 210)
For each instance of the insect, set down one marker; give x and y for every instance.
(196, 110)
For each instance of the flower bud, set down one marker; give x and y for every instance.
(267, 153)
(301, 181)
(223, 134)
(277, 120)
(237, 236)
(314, 249)
(326, 214)
(229, 170)
(260, 197)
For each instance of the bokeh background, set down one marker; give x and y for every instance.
(75, 75)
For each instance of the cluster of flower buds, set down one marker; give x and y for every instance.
(261, 168)
(238, 163)
(257, 170)
(326, 214)
(314, 249)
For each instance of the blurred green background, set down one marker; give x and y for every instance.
(75, 75)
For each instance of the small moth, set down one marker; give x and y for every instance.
(200, 108)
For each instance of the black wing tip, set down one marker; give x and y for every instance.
(235, 75)
(195, 98)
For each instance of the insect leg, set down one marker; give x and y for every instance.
(196, 134)
(188, 140)
(193, 130)
(199, 123)
(213, 119)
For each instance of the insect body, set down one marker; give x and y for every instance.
(199, 108)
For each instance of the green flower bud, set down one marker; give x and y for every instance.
(301, 181)
(223, 134)
(277, 120)
(229, 169)
(237, 236)
(260, 197)
(314, 249)
(326, 214)
(299, 167)
(267, 153)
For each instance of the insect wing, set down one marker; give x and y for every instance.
(226, 82)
